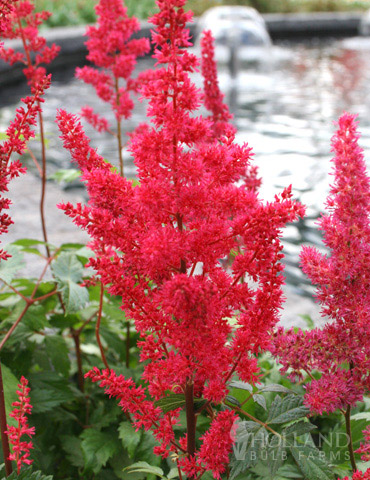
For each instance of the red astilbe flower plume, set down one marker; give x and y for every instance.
(341, 350)
(365, 447)
(359, 476)
(213, 97)
(21, 448)
(159, 245)
(23, 23)
(111, 49)
(213, 100)
(18, 134)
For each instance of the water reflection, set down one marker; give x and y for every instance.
(284, 112)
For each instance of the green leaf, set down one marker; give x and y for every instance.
(173, 473)
(311, 463)
(65, 175)
(171, 402)
(57, 350)
(27, 474)
(233, 401)
(286, 410)
(299, 428)
(10, 383)
(260, 399)
(35, 318)
(129, 436)
(275, 387)
(72, 446)
(49, 390)
(144, 467)
(9, 267)
(98, 447)
(68, 271)
(241, 385)
(28, 245)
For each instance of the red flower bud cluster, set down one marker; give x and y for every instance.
(111, 49)
(23, 23)
(341, 350)
(18, 134)
(21, 448)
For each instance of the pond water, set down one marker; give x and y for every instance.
(284, 110)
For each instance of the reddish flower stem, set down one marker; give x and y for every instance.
(347, 417)
(81, 379)
(43, 184)
(119, 132)
(97, 327)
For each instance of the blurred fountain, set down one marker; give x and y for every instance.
(241, 36)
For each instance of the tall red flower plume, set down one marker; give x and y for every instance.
(161, 246)
(22, 408)
(341, 350)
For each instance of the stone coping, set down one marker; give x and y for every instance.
(281, 27)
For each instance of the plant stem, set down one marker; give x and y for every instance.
(119, 131)
(191, 420)
(128, 344)
(347, 417)
(76, 339)
(97, 327)
(263, 424)
(43, 183)
(3, 426)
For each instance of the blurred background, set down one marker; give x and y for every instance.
(72, 12)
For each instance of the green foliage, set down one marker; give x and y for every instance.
(68, 272)
(25, 474)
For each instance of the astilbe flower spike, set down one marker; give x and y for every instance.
(22, 408)
(159, 245)
(365, 447)
(359, 475)
(213, 100)
(18, 134)
(22, 22)
(341, 350)
(115, 54)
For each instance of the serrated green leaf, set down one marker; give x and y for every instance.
(28, 245)
(311, 463)
(299, 428)
(68, 271)
(72, 446)
(286, 410)
(260, 399)
(57, 350)
(129, 436)
(241, 385)
(48, 390)
(27, 474)
(275, 387)
(66, 175)
(275, 454)
(35, 318)
(98, 447)
(171, 402)
(10, 267)
(233, 401)
(144, 467)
